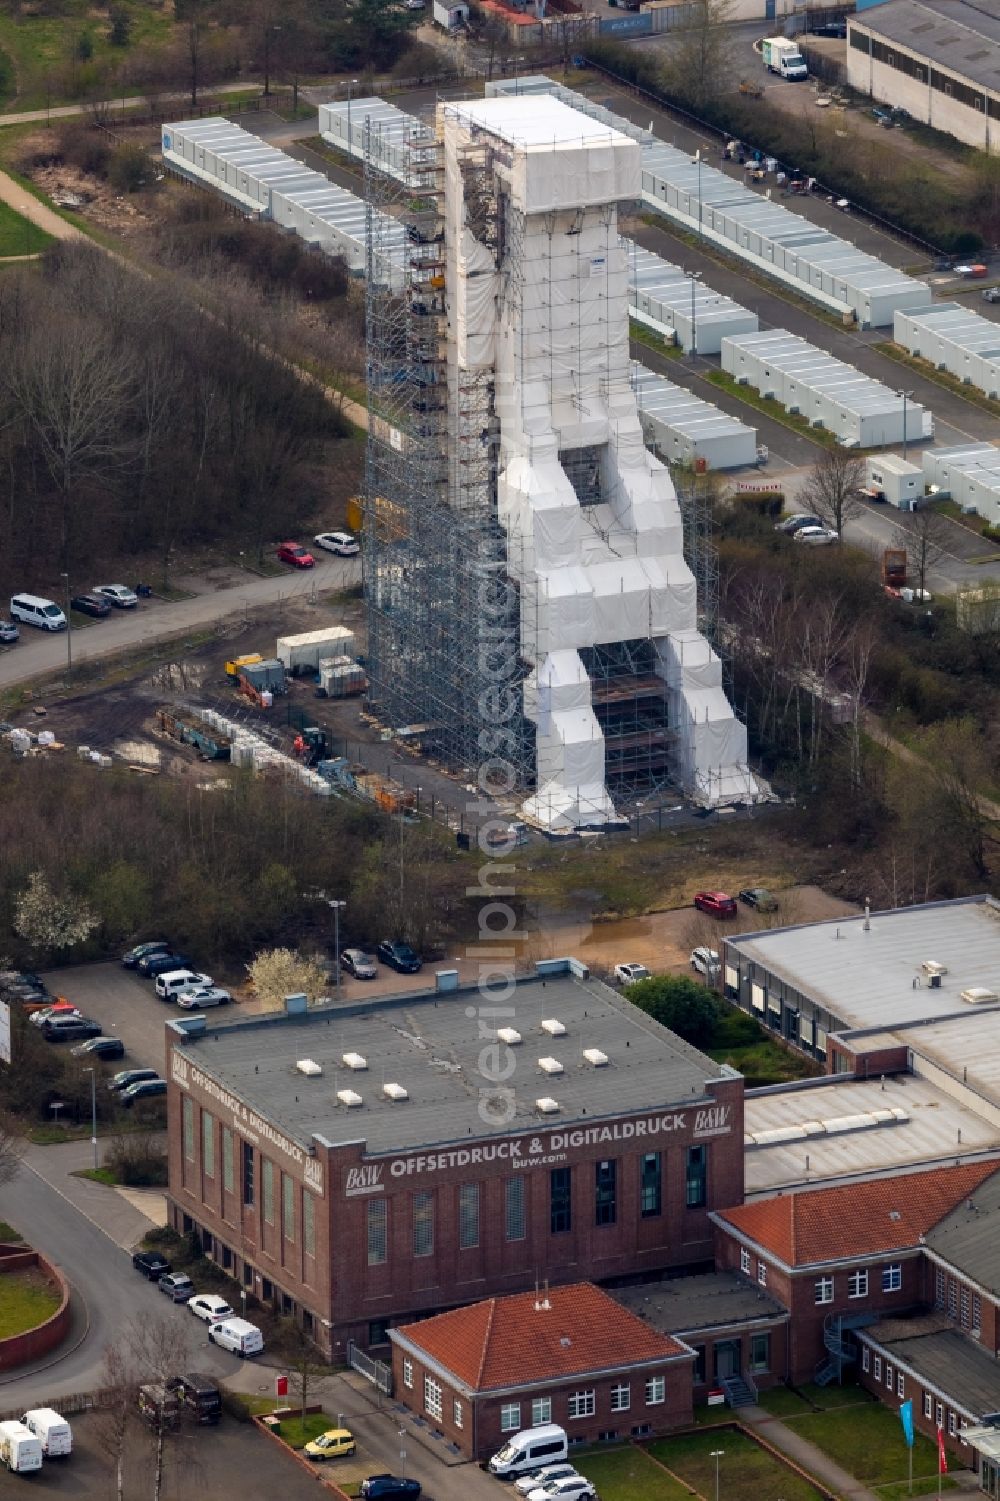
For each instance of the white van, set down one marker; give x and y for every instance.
(51, 1430)
(237, 1335)
(34, 610)
(176, 981)
(19, 1448)
(530, 1450)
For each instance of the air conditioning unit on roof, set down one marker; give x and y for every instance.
(547, 1105)
(979, 995)
(554, 1028)
(309, 1066)
(348, 1097)
(932, 967)
(509, 1035)
(595, 1057)
(395, 1092)
(550, 1065)
(354, 1060)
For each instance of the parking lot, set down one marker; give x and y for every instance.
(124, 1003)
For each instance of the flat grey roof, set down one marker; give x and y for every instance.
(943, 1358)
(873, 977)
(844, 1129)
(687, 1305)
(968, 1236)
(432, 1045)
(949, 32)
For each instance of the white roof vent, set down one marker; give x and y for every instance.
(554, 1028)
(309, 1066)
(979, 995)
(354, 1060)
(395, 1092)
(348, 1097)
(550, 1065)
(595, 1056)
(932, 967)
(509, 1035)
(547, 1105)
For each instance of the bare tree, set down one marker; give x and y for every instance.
(832, 490)
(699, 65)
(117, 1412)
(11, 1149)
(925, 536)
(959, 766)
(157, 1348)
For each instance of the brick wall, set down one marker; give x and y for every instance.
(890, 1385)
(19, 1349)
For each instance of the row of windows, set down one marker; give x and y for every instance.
(782, 1013)
(894, 1380)
(857, 1281)
(955, 1298)
(560, 1204)
(248, 1185)
(941, 83)
(582, 1404)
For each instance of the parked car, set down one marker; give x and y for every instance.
(715, 903)
(238, 1335)
(759, 898)
(628, 974)
(836, 29)
(160, 962)
(151, 1264)
(119, 595)
(131, 958)
(127, 1076)
(177, 1286)
(344, 544)
(294, 553)
(210, 1307)
(9, 633)
(199, 1394)
(335, 1443)
(991, 294)
(202, 995)
(390, 1488)
(705, 961)
(543, 1477)
(100, 1047)
(359, 964)
(39, 1015)
(791, 524)
(144, 1089)
(69, 1028)
(569, 1488)
(399, 956)
(170, 983)
(816, 536)
(90, 604)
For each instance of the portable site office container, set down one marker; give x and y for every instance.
(660, 297)
(954, 339)
(684, 429)
(969, 474)
(396, 135)
(896, 480)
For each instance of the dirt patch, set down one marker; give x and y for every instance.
(124, 214)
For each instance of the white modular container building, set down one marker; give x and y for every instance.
(954, 339)
(667, 300)
(682, 429)
(816, 263)
(396, 137)
(969, 474)
(895, 480)
(861, 412)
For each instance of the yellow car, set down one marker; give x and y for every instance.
(333, 1444)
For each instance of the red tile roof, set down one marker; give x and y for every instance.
(856, 1219)
(505, 1342)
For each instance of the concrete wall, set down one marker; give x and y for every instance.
(889, 85)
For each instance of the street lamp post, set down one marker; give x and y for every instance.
(69, 629)
(267, 58)
(93, 1112)
(695, 278)
(905, 395)
(336, 906)
(717, 1454)
(350, 94)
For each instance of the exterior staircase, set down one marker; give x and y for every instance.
(841, 1349)
(740, 1391)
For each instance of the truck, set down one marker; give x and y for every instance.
(20, 1450)
(782, 56)
(894, 567)
(51, 1430)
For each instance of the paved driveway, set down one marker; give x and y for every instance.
(125, 1004)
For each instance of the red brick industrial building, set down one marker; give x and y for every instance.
(569, 1355)
(369, 1163)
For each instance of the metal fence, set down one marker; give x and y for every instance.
(375, 1371)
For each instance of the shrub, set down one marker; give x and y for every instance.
(121, 28)
(137, 1161)
(129, 169)
(680, 1003)
(235, 1405)
(83, 147)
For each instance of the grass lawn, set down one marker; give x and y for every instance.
(821, 436)
(742, 1042)
(788, 1401)
(629, 1475)
(26, 1300)
(294, 1431)
(41, 49)
(97, 1175)
(18, 236)
(8, 1233)
(868, 1442)
(746, 1471)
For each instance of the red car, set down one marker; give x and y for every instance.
(715, 903)
(291, 552)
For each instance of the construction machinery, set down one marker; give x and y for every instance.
(311, 745)
(237, 664)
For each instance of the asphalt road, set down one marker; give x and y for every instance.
(40, 652)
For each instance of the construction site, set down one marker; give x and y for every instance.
(539, 595)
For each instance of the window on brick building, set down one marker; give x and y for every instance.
(696, 1178)
(939, 1414)
(288, 1206)
(247, 1173)
(939, 1285)
(456, 1413)
(900, 1385)
(650, 1185)
(468, 1216)
(378, 1331)
(514, 1208)
(952, 1298)
(541, 1410)
(308, 1223)
(408, 1373)
(510, 1417)
(744, 1260)
(965, 1303)
(187, 1114)
(760, 1352)
(378, 1241)
(267, 1189)
(605, 1193)
(892, 1279)
(762, 1273)
(857, 1284)
(432, 1398)
(824, 1289)
(656, 1391)
(890, 1375)
(208, 1144)
(928, 1405)
(952, 1424)
(866, 1358)
(560, 1201)
(423, 1224)
(621, 1397)
(581, 1404)
(977, 1312)
(877, 1368)
(227, 1160)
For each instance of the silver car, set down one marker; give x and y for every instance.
(203, 995)
(359, 964)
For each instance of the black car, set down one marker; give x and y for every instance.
(162, 963)
(389, 1487)
(100, 1047)
(90, 604)
(151, 1264)
(25, 990)
(9, 633)
(142, 1089)
(69, 1029)
(144, 950)
(399, 956)
(129, 1076)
